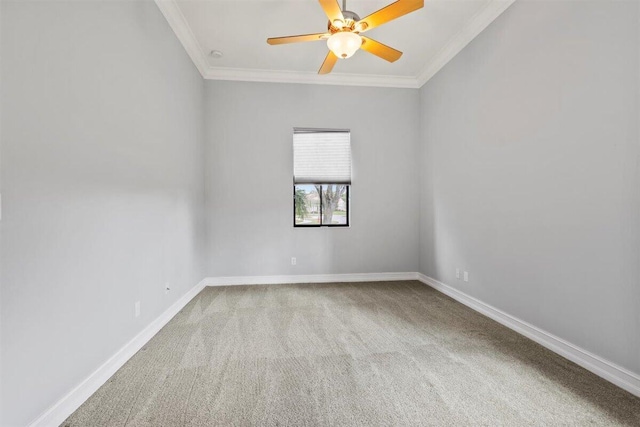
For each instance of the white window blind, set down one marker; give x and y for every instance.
(321, 156)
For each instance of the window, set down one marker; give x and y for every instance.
(321, 205)
(321, 177)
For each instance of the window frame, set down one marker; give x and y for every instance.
(348, 215)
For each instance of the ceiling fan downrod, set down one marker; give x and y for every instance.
(349, 19)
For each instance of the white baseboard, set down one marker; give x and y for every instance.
(617, 375)
(55, 415)
(309, 278)
(611, 372)
(68, 404)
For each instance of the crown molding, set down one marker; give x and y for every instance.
(179, 25)
(181, 28)
(305, 77)
(475, 26)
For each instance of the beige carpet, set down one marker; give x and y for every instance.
(347, 354)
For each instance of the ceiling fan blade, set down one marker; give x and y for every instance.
(389, 13)
(329, 61)
(297, 39)
(378, 49)
(332, 9)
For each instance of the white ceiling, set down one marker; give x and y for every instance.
(429, 38)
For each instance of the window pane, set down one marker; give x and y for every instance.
(334, 204)
(306, 203)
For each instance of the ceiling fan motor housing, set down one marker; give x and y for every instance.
(350, 20)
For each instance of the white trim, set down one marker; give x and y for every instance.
(305, 77)
(611, 372)
(71, 401)
(617, 375)
(309, 278)
(476, 25)
(180, 26)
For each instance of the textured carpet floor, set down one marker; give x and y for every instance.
(347, 354)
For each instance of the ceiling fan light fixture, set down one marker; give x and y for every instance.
(344, 44)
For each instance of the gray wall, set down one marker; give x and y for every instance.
(249, 179)
(518, 162)
(102, 188)
(530, 172)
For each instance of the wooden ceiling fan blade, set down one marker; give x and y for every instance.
(378, 49)
(332, 9)
(298, 39)
(389, 13)
(329, 61)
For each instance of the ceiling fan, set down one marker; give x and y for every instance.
(344, 29)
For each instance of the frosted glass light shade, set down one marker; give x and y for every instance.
(344, 44)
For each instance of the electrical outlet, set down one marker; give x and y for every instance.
(167, 288)
(466, 276)
(457, 273)
(293, 261)
(137, 307)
